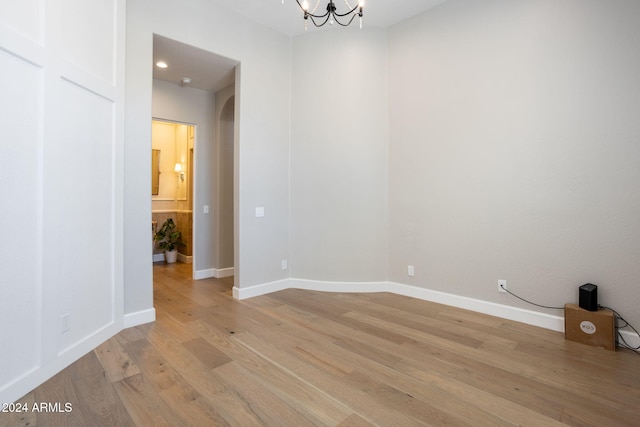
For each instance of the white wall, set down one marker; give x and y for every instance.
(262, 135)
(339, 156)
(514, 150)
(61, 160)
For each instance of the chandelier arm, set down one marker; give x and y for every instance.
(326, 17)
(346, 13)
(348, 23)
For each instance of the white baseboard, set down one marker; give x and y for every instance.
(213, 272)
(187, 259)
(543, 320)
(262, 289)
(633, 340)
(139, 318)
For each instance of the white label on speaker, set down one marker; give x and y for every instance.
(588, 327)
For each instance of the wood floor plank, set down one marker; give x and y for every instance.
(226, 400)
(208, 354)
(355, 420)
(130, 334)
(144, 404)
(317, 405)
(267, 406)
(425, 398)
(171, 389)
(153, 365)
(367, 406)
(60, 389)
(22, 416)
(115, 360)
(313, 304)
(570, 379)
(90, 393)
(433, 324)
(405, 390)
(100, 403)
(194, 408)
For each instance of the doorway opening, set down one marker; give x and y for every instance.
(172, 145)
(197, 88)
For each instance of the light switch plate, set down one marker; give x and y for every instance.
(259, 212)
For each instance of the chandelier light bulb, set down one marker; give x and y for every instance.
(305, 5)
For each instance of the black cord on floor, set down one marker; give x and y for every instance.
(622, 342)
(529, 302)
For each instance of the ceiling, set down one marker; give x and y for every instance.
(206, 70)
(287, 18)
(212, 72)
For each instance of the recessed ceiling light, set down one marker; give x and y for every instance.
(161, 64)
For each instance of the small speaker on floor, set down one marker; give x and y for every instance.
(588, 297)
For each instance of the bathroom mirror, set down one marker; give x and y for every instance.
(172, 171)
(155, 172)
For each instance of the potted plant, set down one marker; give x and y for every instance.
(168, 239)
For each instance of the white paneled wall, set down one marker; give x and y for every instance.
(61, 121)
(24, 19)
(20, 255)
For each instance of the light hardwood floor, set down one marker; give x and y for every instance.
(298, 358)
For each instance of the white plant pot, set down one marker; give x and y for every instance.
(171, 256)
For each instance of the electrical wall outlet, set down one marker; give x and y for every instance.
(65, 322)
(502, 286)
(284, 264)
(411, 270)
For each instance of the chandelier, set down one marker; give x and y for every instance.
(331, 15)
